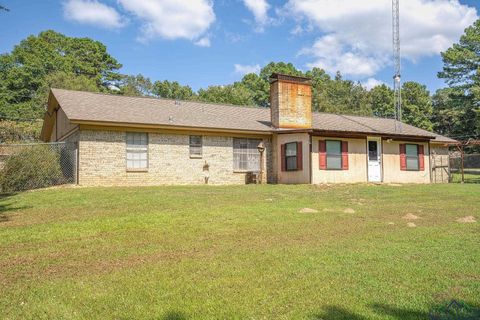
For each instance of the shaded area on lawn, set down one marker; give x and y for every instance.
(448, 310)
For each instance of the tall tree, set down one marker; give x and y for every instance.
(381, 99)
(236, 94)
(416, 105)
(26, 70)
(172, 90)
(461, 71)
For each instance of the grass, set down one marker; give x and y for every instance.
(239, 252)
(469, 177)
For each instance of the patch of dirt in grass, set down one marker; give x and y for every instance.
(348, 210)
(411, 225)
(269, 199)
(410, 216)
(308, 210)
(391, 223)
(328, 210)
(467, 219)
(395, 185)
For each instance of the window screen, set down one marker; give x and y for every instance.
(196, 146)
(334, 154)
(137, 150)
(245, 154)
(291, 156)
(411, 153)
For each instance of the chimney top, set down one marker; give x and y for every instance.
(289, 78)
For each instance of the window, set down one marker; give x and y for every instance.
(245, 154)
(137, 150)
(334, 154)
(196, 146)
(411, 153)
(291, 156)
(372, 151)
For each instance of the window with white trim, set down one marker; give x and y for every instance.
(411, 154)
(137, 151)
(246, 156)
(334, 154)
(196, 146)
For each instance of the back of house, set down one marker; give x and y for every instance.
(124, 140)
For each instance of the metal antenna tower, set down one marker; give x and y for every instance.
(397, 98)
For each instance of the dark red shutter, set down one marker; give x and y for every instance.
(282, 157)
(403, 157)
(344, 155)
(421, 160)
(299, 156)
(322, 154)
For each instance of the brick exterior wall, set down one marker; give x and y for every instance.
(102, 160)
(291, 105)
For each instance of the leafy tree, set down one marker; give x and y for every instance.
(461, 101)
(135, 86)
(26, 71)
(381, 99)
(259, 85)
(172, 90)
(416, 105)
(232, 94)
(454, 115)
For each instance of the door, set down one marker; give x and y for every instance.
(374, 160)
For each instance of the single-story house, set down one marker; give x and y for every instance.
(149, 141)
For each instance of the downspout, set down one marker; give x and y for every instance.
(430, 162)
(310, 158)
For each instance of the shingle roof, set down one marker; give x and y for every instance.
(97, 107)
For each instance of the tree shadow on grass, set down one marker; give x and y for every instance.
(336, 313)
(174, 315)
(448, 310)
(6, 206)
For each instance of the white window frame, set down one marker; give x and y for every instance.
(136, 151)
(195, 147)
(246, 157)
(412, 157)
(331, 154)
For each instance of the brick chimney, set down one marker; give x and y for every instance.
(290, 101)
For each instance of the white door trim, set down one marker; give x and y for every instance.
(375, 168)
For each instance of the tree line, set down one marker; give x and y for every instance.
(52, 59)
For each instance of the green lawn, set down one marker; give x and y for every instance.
(242, 252)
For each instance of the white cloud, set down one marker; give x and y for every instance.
(245, 68)
(92, 12)
(203, 42)
(357, 34)
(259, 9)
(172, 19)
(371, 83)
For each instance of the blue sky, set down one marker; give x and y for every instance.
(203, 42)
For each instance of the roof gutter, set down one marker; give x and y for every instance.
(126, 125)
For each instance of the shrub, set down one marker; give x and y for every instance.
(30, 168)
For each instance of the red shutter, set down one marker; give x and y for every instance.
(299, 156)
(421, 160)
(282, 157)
(344, 155)
(322, 154)
(403, 158)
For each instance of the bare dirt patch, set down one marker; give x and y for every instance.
(349, 210)
(308, 210)
(410, 216)
(467, 219)
(411, 225)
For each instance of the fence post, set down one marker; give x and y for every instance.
(462, 155)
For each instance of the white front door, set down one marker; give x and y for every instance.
(374, 147)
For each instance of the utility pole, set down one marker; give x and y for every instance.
(397, 89)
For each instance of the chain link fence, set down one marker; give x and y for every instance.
(471, 168)
(37, 165)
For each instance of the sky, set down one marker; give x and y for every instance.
(215, 42)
